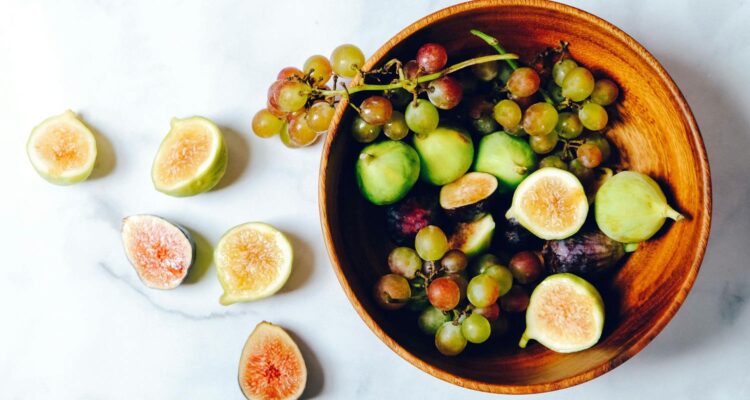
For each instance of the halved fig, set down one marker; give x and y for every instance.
(565, 314)
(474, 237)
(160, 251)
(62, 149)
(253, 260)
(191, 159)
(271, 365)
(468, 197)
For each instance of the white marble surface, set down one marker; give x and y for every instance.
(77, 324)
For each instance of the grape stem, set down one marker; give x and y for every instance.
(495, 44)
(422, 79)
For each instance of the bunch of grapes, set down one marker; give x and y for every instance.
(299, 107)
(456, 304)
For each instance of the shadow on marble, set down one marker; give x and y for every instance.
(106, 158)
(239, 156)
(315, 379)
(722, 287)
(204, 256)
(303, 263)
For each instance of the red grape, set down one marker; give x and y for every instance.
(289, 72)
(432, 57)
(376, 110)
(491, 312)
(526, 267)
(523, 82)
(590, 155)
(392, 291)
(445, 93)
(444, 293)
(516, 300)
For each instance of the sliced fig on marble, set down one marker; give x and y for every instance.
(160, 251)
(271, 365)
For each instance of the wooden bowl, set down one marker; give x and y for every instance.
(654, 132)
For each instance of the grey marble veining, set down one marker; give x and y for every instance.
(77, 323)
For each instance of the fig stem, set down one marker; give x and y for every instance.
(671, 213)
(524, 340)
(495, 44)
(422, 79)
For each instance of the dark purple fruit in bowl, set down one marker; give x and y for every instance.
(405, 218)
(588, 254)
(526, 266)
(468, 197)
(516, 237)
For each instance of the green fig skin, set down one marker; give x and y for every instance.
(386, 171)
(445, 154)
(630, 207)
(507, 157)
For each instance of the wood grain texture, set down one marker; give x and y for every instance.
(655, 133)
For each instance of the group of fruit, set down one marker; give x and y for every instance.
(472, 165)
(299, 106)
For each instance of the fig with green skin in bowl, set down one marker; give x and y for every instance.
(386, 171)
(630, 207)
(588, 254)
(507, 157)
(445, 154)
(473, 238)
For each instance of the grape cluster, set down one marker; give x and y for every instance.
(298, 109)
(457, 303)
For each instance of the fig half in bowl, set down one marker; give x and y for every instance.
(654, 133)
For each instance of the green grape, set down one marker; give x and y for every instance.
(364, 132)
(483, 262)
(555, 92)
(569, 126)
(292, 96)
(502, 275)
(422, 116)
(454, 261)
(523, 82)
(392, 291)
(449, 340)
(376, 110)
(396, 128)
(431, 319)
(285, 139)
(320, 67)
(404, 261)
(605, 92)
(346, 60)
(561, 68)
(507, 113)
(540, 119)
(578, 84)
(486, 71)
(483, 290)
(553, 162)
(300, 132)
(543, 144)
(431, 243)
(319, 116)
(602, 143)
(265, 124)
(584, 174)
(476, 328)
(485, 125)
(593, 116)
(590, 155)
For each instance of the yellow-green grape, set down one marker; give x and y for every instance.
(266, 124)
(292, 96)
(300, 132)
(476, 328)
(543, 144)
(320, 67)
(593, 116)
(422, 116)
(507, 113)
(561, 68)
(540, 119)
(364, 132)
(396, 128)
(605, 92)
(449, 340)
(578, 84)
(347, 60)
(319, 116)
(431, 243)
(569, 126)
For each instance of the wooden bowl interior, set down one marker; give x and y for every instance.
(654, 133)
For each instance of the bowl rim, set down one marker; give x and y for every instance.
(694, 137)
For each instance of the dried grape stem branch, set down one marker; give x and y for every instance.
(422, 79)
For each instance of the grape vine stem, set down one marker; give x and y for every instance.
(422, 79)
